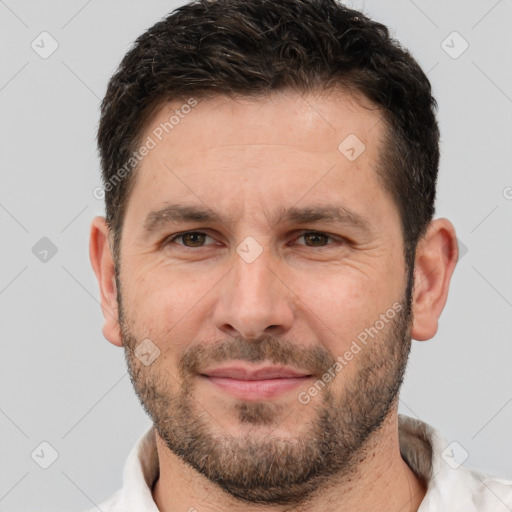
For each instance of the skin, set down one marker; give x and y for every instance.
(247, 160)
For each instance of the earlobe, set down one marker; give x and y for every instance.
(103, 265)
(436, 257)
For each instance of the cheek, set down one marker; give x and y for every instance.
(163, 304)
(341, 304)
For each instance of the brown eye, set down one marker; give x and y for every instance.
(315, 239)
(191, 239)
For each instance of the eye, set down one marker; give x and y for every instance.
(315, 239)
(190, 239)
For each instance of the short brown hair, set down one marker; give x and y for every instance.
(253, 47)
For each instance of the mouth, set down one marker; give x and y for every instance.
(255, 383)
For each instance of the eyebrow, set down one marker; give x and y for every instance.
(335, 214)
(326, 213)
(179, 213)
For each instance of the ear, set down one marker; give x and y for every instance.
(436, 256)
(103, 264)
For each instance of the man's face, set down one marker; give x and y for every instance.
(291, 251)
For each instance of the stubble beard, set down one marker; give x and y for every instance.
(259, 467)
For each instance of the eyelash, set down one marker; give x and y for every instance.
(336, 240)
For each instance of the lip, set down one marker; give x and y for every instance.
(255, 383)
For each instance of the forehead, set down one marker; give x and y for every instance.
(314, 122)
(270, 151)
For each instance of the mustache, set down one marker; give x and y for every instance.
(313, 360)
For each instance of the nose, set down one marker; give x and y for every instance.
(254, 300)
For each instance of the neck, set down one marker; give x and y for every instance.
(380, 480)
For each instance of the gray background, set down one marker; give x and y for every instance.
(62, 383)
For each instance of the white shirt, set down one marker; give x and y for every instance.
(450, 487)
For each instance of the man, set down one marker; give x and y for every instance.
(268, 252)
